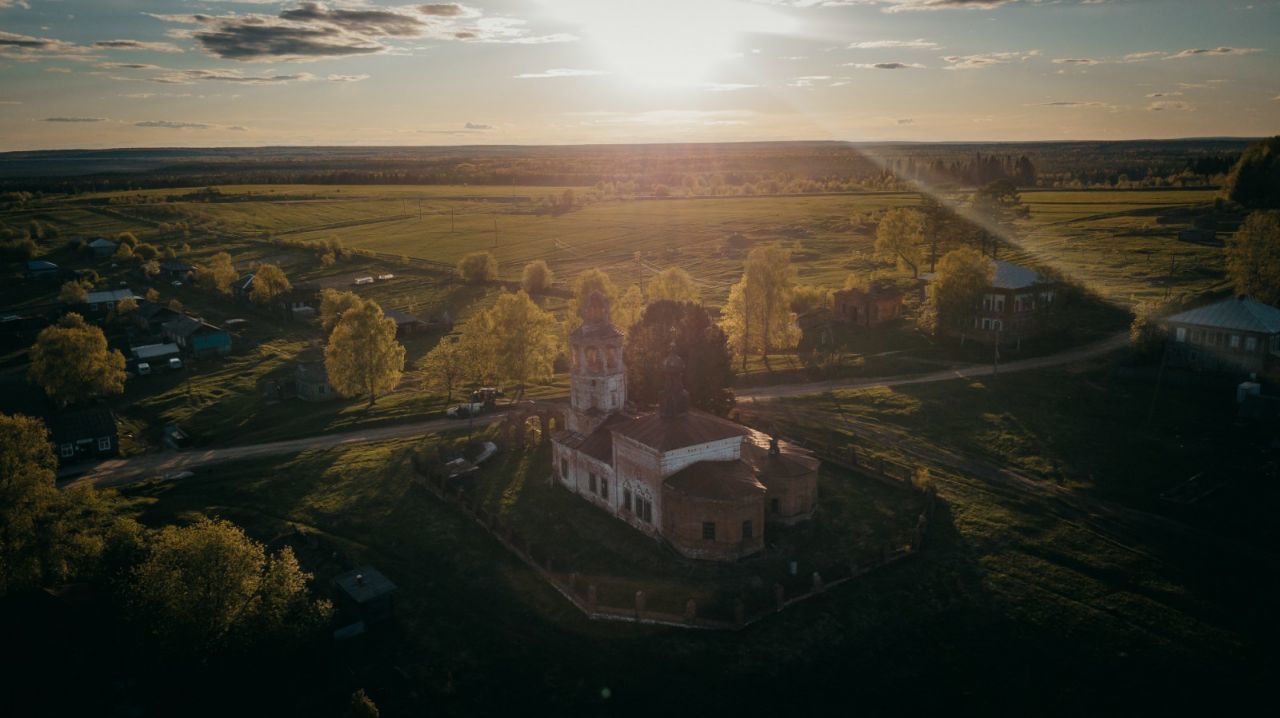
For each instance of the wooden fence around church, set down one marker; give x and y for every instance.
(600, 602)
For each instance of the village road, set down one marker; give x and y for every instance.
(116, 472)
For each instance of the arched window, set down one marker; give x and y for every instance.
(593, 359)
(611, 358)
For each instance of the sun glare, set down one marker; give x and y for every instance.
(667, 43)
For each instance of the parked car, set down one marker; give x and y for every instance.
(462, 411)
(486, 394)
(175, 363)
(176, 283)
(144, 369)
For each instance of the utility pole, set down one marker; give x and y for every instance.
(995, 362)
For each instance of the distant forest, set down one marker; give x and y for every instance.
(642, 170)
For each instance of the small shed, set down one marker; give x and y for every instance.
(406, 324)
(366, 593)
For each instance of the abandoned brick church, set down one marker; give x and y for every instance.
(706, 485)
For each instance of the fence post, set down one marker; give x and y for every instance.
(690, 611)
(779, 595)
(818, 585)
(639, 604)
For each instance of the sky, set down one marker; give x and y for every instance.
(177, 73)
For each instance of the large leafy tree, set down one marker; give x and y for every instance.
(71, 362)
(1000, 201)
(363, 357)
(962, 276)
(536, 277)
(208, 586)
(1253, 257)
(269, 282)
(478, 267)
(629, 308)
(333, 304)
(217, 275)
(674, 284)
(523, 342)
(900, 239)
(46, 535)
(445, 365)
(757, 317)
(697, 339)
(1255, 179)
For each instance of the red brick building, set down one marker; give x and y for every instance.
(706, 485)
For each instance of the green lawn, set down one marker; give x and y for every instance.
(1011, 607)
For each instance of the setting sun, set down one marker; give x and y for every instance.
(668, 43)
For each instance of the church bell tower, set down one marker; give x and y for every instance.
(597, 375)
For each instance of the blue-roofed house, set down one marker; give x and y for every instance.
(1234, 335)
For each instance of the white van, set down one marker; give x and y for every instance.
(144, 369)
(363, 280)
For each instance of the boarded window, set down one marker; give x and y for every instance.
(708, 531)
(564, 469)
(626, 499)
(604, 487)
(591, 482)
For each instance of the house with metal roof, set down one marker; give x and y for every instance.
(40, 269)
(107, 299)
(197, 336)
(1012, 304)
(705, 485)
(1234, 335)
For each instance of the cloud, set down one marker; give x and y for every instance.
(314, 31)
(1174, 105)
(169, 125)
(906, 121)
(187, 77)
(137, 45)
(885, 65)
(1163, 94)
(726, 86)
(477, 126)
(371, 22)
(347, 78)
(807, 80)
(990, 59)
(127, 66)
(62, 70)
(1213, 51)
(1142, 56)
(26, 48)
(15, 3)
(558, 72)
(917, 44)
(238, 128)
(442, 10)
(74, 119)
(1077, 61)
(10, 102)
(1077, 103)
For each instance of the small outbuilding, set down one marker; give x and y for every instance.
(366, 594)
(867, 307)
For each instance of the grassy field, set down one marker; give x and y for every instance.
(1124, 244)
(1012, 607)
